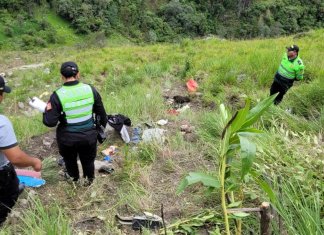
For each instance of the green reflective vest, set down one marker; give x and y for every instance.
(291, 69)
(77, 103)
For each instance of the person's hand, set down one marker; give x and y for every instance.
(37, 165)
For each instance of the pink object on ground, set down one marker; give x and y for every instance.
(192, 85)
(28, 173)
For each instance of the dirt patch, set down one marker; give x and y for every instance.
(89, 225)
(42, 146)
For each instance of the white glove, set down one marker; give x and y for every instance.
(38, 104)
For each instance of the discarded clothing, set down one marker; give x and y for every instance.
(30, 181)
(119, 123)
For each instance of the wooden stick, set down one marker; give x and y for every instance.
(163, 221)
(265, 218)
(280, 198)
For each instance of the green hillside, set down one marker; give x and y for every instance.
(133, 80)
(40, 23)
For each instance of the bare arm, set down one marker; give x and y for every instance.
(19, 158)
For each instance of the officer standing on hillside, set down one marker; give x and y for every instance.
(291, 69)
(73, 106)
(10, 153)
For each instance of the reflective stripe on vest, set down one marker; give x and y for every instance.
(77, 102)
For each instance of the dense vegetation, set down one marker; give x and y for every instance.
(159, 20)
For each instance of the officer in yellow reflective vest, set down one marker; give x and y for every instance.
(290, 69)
(72, 106)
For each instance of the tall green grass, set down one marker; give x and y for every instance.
(41, 219)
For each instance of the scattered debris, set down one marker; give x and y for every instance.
(162, 122)
(107, 159)
(187, 128)
(192, 85)
(46, 93)
(106, 170)
(47, 141)
(136, 135)
(30, 181)
(30, 173)
(173, 112)
(21, 105)
(110, 151)
(241, 77)
(138, 222)
(181, 99)
(47, 71)
(184, 108)
(154, 134)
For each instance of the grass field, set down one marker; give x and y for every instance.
(133, 80)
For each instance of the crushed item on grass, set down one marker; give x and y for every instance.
(107, 159)
(154, 134)
(111, 150)
(136, 137)
(147, 220)
(173, 112)
(106, 170)
(162, 122)
(183, 109)
(187, 128)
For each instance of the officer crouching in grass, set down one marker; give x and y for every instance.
(290, 69)
(10, 153)
(73, 106)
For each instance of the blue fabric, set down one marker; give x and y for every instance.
(136, 135)
(107, 158)
(7, 138)
(31, 181)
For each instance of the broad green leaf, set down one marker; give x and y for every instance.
(248, 151)
(240, 117)
(241, 214)
(235, 204)
(264, 185)
(251, 130)
(187, 228)
(257, 111)
(182, 186)
(196, 177)
(225, 142)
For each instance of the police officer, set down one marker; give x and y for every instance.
(73, 106)
(10, 153)
(291, 69)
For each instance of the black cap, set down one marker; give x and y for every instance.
(293, 48)
(69, 69)
(3, 86)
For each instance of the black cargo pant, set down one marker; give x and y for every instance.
(281, 85)
(9, 190)
(82, 145)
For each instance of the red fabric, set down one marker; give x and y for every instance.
(192, 85)
(28, 173)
